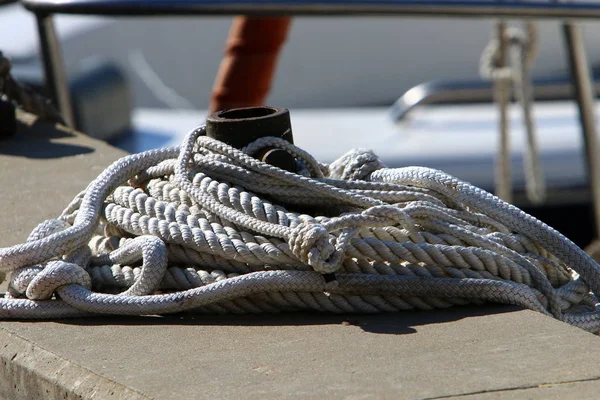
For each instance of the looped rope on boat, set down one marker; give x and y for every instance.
(506, 70)
(206, 227)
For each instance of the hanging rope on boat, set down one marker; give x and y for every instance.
(25, 97)
(207, 227)
(507, 61)
(494, 66)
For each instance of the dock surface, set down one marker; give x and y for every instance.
(487, 352)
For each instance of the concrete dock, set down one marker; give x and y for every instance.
(488, 352)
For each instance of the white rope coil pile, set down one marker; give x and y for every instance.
(206, 227)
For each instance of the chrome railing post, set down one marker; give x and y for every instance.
(54, 70)
(585, 98)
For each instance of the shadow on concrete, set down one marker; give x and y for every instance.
(399, 323)
(34, 139)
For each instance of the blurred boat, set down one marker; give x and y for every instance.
(171, 62)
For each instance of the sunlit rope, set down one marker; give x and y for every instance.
(207, 227)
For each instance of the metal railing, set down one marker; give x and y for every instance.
(575, 9)
(476, 91)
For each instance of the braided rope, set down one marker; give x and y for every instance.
(206, 227)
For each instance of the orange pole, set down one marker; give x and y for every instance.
(248, 66)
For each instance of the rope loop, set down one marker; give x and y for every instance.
(519, 41)
(393, 215)
(54, 275)
(306, 160)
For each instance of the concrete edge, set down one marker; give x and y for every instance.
(30, 372)
(534, 391)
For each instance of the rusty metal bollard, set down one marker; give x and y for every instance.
(240, 126)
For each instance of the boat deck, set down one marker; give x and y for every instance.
(468, 352)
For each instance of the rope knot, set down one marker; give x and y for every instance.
(355, 165)
(54, 275)
(21, 278)
(313, 245)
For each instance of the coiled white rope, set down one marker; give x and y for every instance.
(206, 227)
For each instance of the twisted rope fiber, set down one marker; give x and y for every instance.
(206, 227)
